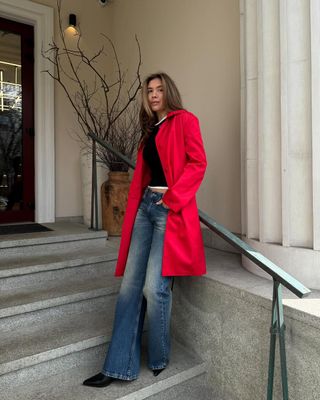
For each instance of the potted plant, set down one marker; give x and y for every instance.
(104, 104)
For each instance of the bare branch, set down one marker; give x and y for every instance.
(103, 104)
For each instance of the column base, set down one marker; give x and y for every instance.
(302, 263)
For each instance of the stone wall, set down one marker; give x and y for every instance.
(228, 327)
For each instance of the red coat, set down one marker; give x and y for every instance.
(183, 159)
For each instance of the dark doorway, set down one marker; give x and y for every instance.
(17, 195)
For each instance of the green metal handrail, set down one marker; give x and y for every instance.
(279, 276)
(263, 262)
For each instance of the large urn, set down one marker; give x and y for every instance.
(114, 196)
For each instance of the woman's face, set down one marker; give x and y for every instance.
(156, 98)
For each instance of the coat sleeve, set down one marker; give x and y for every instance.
(185, 188)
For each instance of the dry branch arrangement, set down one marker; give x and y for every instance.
(105, 103)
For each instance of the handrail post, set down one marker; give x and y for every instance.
(94, 194)
(277, 328)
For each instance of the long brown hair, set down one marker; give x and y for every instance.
(171, 96)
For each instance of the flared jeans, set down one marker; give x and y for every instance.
(144, 291)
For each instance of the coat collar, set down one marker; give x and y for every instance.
(176, 112)
(170, 115)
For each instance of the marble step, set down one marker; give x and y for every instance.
(68, 286)
(66, 384)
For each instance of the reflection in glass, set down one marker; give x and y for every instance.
(10, 122)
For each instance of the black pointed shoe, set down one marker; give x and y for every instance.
(99, 380)
(156, 372)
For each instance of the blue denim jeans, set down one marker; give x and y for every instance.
(143, 291)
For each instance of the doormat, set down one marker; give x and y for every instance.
(22, 228)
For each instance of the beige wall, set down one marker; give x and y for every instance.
(197, 43)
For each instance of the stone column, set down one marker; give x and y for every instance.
(281, 133)
(315, 102)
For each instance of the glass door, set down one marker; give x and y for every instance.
(16, 122)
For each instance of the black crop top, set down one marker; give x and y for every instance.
(151, 156)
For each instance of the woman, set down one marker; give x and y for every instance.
(161, 235)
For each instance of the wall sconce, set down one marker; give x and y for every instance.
(72, 26)
(72, 20)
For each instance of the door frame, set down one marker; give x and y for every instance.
(41, 17)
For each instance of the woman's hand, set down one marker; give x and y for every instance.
(160, 202)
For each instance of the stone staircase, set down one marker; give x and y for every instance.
(57, 302)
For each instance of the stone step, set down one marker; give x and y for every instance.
(63, 238)
(42, 336)
(38, 269)
(74, 284)
(72, 257)
(66, 384)
(192, 389)
(57, 302)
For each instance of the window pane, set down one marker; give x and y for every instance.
(11, 179)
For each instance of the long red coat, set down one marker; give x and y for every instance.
(183, 159)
